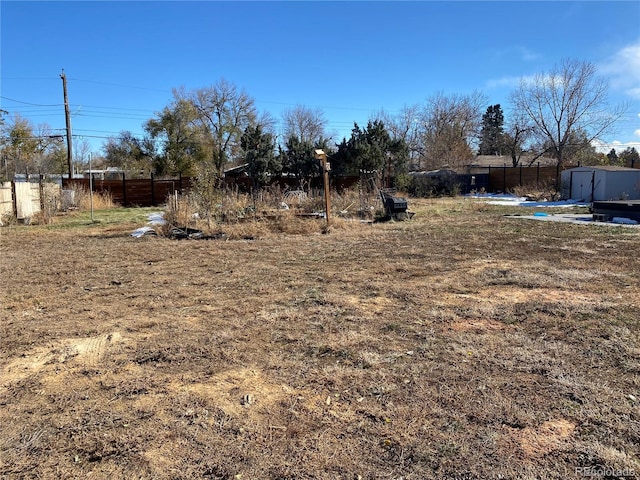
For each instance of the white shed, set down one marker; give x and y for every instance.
(601, 183)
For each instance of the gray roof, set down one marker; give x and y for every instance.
(607, 168)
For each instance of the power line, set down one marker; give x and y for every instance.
(256, 100)
(28, 78)
(33, 104)
(114, 108)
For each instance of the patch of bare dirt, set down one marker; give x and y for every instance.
(86, 351)
(537, 442)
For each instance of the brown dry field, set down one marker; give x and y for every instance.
(459, 345)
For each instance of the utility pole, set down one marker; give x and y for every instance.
(67, 117)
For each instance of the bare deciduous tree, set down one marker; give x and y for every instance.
(305, 123)
(451, 126)
(516, 136)
(81, 151)
(405, 126)
(569, 98)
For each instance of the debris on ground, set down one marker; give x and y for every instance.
(187, 233)
(143, 231)
(155, 219)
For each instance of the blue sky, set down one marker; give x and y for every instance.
(352, 59)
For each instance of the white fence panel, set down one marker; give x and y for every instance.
(27, 199)
(6, 201)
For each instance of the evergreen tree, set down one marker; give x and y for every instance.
(613, 157)
(630, 158)
(258, 148)
(370, 149)
(297, 159)
(492, 133)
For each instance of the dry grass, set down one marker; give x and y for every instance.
(459, 345)
(538, 191)
(101, 201)
(240, 216)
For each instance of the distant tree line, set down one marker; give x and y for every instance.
(202, 132)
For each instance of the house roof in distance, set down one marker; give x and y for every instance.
(501, 160)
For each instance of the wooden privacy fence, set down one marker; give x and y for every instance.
(154, 192)
(505, 178)
(150, 192)
(146, 192)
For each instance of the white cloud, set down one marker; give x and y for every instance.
(605, 147)
(623, 70)
(508, 82)
(637, 133)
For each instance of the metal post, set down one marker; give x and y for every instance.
(91, 187)
(570, 185)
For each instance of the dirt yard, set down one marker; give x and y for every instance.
(458, 345)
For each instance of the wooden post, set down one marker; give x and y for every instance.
(153, 196)
(320, 155)
(41, 192)
(504, 178)
(15, 199)
(520, 181)
(124, 191)
(327, 193)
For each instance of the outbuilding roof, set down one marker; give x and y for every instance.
(607, 168)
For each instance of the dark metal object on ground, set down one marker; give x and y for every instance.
(182, 233)
(395, 207)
